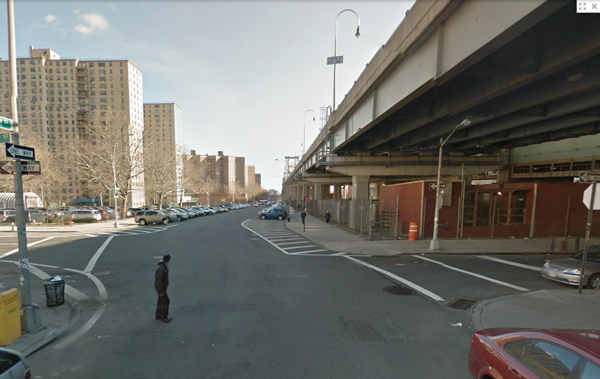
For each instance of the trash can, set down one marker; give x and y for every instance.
(55, 291)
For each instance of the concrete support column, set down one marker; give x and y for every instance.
(336, 192)
(360, 195)
(318, 191)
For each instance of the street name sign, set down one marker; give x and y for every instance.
(335, 60)
(29, 168)
(7, 123)
(4, 137)
(433, 186)
(19, 152)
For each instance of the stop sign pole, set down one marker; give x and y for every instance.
(586, 177)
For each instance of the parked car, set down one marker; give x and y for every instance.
(84, 215)
(13, 365)
(35, 216)
(8, 215)
(181, 215)
(255, 205)
(535, 354)
(272, 213)
(151, 217)
(170, 214)
(568, 270)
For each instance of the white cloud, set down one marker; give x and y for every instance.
(113, 7)
(76, 11)
(92, 22)
(49, 18)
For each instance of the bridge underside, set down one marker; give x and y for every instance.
(542, 86)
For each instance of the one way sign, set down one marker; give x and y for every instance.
(20, 152)
(29, 168)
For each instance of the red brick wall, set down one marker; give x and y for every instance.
(409, 208)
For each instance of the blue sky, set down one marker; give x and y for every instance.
(244, 73)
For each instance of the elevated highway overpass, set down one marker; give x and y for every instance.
(523, 72)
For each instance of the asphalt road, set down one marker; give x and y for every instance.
(243, 309)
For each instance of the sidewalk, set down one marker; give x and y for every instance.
(55, 321)
(336, 239)
(100, 226)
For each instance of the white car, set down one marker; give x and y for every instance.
(13, 365)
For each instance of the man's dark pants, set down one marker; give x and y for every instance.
(162, 307)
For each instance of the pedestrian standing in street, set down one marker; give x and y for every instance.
(327, 216)
(161, 283)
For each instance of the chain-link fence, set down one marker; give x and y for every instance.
(371, 219)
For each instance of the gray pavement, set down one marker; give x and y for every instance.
(334, 238)
(106, 226)
(547, 308)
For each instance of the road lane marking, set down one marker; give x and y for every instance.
(408, 283)
(271, 243)
(473, 274)
(297, 247)
(93, 278)
(310, 251)
(28, 245)
(74, 293)
(290, 243)
(92, 262)
(286, 239)
(510, 263)
(88, 325)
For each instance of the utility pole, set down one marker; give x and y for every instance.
(30, 320)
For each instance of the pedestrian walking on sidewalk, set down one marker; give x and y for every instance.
(303, 215)
(161, 282)
(327, 216)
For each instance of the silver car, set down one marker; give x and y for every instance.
(568, 270)
(13, 365)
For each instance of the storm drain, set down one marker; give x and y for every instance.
(92, 302)
(399, 290)
(463, 304)
(374, 329)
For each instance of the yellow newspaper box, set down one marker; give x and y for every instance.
(10, 317)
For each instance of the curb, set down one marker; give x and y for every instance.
(55, 334)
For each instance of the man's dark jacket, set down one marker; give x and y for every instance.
(161, 278)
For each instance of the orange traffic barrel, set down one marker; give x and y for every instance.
(413, 231)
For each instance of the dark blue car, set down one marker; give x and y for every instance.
(273, 213)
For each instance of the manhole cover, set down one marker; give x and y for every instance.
(464, 304)
(102, 273)
(399, 290)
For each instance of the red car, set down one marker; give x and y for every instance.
(535, 353)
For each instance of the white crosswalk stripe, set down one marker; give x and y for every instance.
(285, 240)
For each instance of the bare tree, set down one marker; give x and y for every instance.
(253, 190)
(110, 154)
(162, 172)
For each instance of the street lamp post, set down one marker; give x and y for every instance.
(435, 244)
(304, 134)
(116, 197)
(335, 44)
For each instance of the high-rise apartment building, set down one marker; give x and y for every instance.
(162, 137)
(257, 179)
(240, 172)
(226, 172)
(250, 175)
(56, 99)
